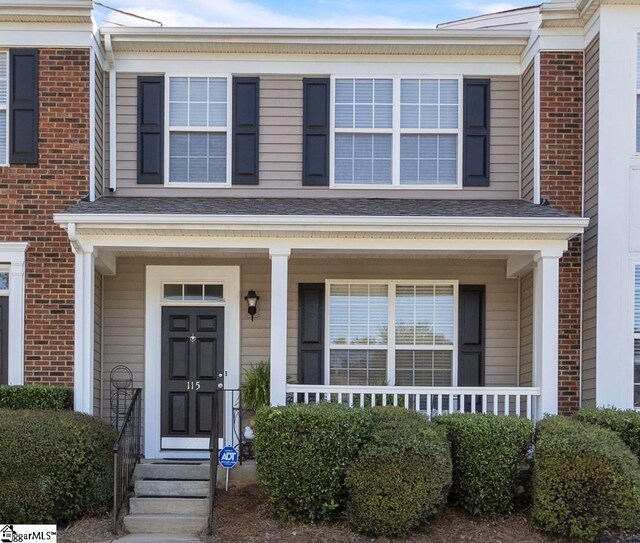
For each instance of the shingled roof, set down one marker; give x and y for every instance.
(346, 207)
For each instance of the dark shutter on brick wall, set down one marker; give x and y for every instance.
(246, 115)
(476, 115)
(23, 106)
(471, 322)
(315, 151)
(311, 333)
(151, 129)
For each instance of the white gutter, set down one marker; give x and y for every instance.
(562, 226)
(113, 116)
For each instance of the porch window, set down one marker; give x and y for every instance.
(392, 333)
(4, 93)
(397, 131)
(424, 335)
(198, 121)
(192, 292)
(636, 341)
(4, 281)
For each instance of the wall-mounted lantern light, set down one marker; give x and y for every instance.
(252, 303)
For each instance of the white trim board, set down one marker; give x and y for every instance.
(229, 277)
(14, 254)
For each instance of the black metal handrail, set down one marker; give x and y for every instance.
(127, 452)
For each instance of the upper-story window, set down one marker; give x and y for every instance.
(4, 99)
(198, 130)
(397, 131)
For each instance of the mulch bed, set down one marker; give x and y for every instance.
(241, 516)
(87, 530)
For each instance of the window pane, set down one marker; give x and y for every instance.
(3, 137)
(424, 314)
(172, 292)
(213, 293)
(429, 103)
(428, 159)
(424, 368)
(363, 159)
(364, 103)
(358, 314)
(358, 367)
(198, 101)
(198, 157)
(193, 292)
(4, 280)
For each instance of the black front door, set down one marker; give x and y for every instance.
(192, 369)
(4, 340)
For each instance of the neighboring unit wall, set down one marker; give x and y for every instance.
(32, 194)
(526, 330)
(527, 83)
(561, 136)
(99, 127)
(280, 167)
(97, 344)
(590, 248)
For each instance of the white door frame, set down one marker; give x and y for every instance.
(156, 276)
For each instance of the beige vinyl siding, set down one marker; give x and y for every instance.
(527, 137)
(99, 130)
(526, 330)
(590, 240)
(124, 306)
(280, 167)
(97, 344)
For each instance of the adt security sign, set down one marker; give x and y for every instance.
(228, 457)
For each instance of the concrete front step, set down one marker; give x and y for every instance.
(172, 470)
(173, 506)
(167, 488)
(164, 524)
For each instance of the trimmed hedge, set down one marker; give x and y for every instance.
(488, 452)
(35, 397)
(302, 455)
(586, 481)
(624, 422)
(54, 466)
(401, 476)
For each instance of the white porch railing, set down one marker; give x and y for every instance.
(431, 401)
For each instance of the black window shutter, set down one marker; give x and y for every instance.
(246, 120)
(311, 333)
(315, 151)
(471, 322)
(476, 115)
(150, 129)
(23, 106)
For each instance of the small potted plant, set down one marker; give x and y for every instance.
(255, 391)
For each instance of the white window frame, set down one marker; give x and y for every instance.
(391, 322)
(395, 132)
(205, 129)
(193, 302)
(12, 257)
(4, 110)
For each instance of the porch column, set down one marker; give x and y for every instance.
(545, 332)
(279, 287)
(84, 328)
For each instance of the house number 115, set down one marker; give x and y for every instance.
(193, 385)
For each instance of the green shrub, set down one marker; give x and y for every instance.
(488, 453)
(54, 466)
(586, 481)
(255, 386)
(35, 397)
(401, 476)
(624, 422)
(302, 454)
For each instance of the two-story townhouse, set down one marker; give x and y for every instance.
(45, 160)
(376, 194)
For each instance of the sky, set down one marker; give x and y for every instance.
(302, 13)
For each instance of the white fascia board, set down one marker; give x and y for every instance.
(50, 35)
(569, 225)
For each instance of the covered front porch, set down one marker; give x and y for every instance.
(435, 314)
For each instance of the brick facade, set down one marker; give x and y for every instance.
(561, 135)
(29, 196)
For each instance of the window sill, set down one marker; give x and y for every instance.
(395, 187)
